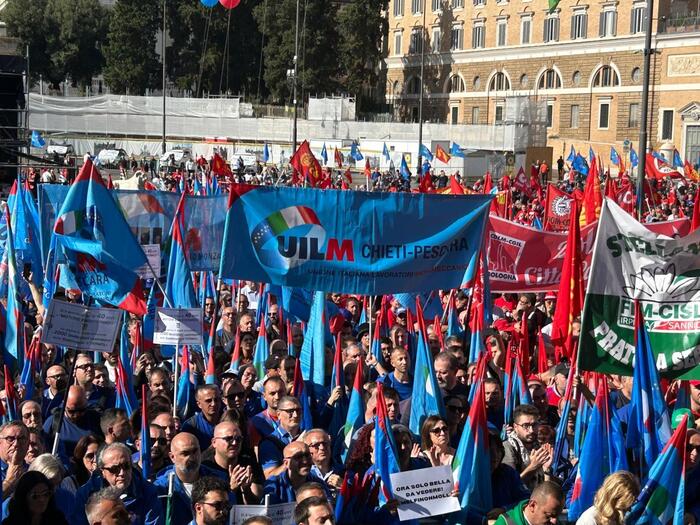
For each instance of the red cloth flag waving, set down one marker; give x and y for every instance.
(557, 209)
(592, 196)
(442, 155)
(306, 165)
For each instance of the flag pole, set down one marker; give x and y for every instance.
(175, 380)
(369, 321)
(58, 422)
(645, 110)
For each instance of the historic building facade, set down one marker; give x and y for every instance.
(582, 61)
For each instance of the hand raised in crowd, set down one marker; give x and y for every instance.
(336, 394)
(240, 477)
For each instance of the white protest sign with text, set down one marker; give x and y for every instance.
(424, 492)
(81, 327)
(280, 514)
(152, 252)
(178, 326)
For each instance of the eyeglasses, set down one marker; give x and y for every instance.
(230, 439)
(13, 439)
(159, 441)
(235, 395)
(86, 366)
(116, 469)
(528, 426)
(56, 377)
(77, 410)
(454, 408)
(319, 444)
(290, 411)
(219, 506)
(691, 448)
(439, 430)
(299, 456)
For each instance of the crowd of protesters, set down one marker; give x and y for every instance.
(70, 456)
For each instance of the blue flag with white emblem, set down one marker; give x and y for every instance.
(324, 154)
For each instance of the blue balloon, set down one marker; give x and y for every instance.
(209, 3)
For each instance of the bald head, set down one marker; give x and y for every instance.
(186, 456)
(76, 403)
(184, 440)
(297, 459)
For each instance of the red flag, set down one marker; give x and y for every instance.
(653, 170)
(520, 182)
(524, 346)
(306, 165)
(110, 184)
(442, 155)
(338, 158)
(505, 182)
(426, 184)
(455, 187)
(501, 204)
(348, 176)
(610, 188)
(592, 196)
(219, 166)
(570, 296)
(690, 171)
(557, 208)
(488, 184)
(541, 353)
(368, 170)
(696, 212)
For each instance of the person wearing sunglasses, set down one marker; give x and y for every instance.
(159, 451)
(296, 472)
(228, 456)
(435, 441)
(288, 429)
(34, 503)
(79, 420)
(114, 469)
(207, 417)
(210, 502)
(97, 397)
(52, 397)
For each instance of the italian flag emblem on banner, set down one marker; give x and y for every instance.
(631, 262)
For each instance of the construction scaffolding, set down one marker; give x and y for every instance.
(14, 134)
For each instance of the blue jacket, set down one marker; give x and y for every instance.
(181, 506)
(198, 426)
(141, 501)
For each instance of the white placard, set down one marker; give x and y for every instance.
(280, 514)
(152, 252)
(178, 326)
(424, 492)
(81, 327)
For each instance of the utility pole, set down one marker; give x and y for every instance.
(420, 99)
(645, 109)
(296, 71)
(162, 50)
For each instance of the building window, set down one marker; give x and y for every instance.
(454, 114)
(667, 124)
(398, 43)
(606, 76)
(479, 3)
(524, 80)
(551, 29)
(475, 115)
(436, 5)
(550, 115)
(398, 7)
(477, 83)
(575, 112)
(638, 18)
(456, 84)
(478, 35)
(579, 24)
(525, 29)
(457, 38)
(501, 26)
(608, 23)
(413, 86)
(416, 44)
(634, 115)
(436, 40)
(498, 117)
(604, 115)
(576, 78)
(499, 82)
(457, 4)
(416, 6)
(550, 79)
(636, 74)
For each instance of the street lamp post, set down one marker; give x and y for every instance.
(420, 99)
(162, 51)
(645, 110)
(294, 89)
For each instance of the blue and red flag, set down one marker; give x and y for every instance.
(11, 401)
(426, 395)
(155, 299)
(313, 351)
(125, 395)
(26, 230)
(355, 418)
(179, 287)
(14, 348)
(479, 309)
(262, 351)
(453, 327)
(661, 501)
(649, 425)
(32, 365)
(299, 391)
(385, 455)
(185, 387)
(340, 408)
(210, 377)
(603, 452)
(376, 343)
(145, 449)
(560, 453)
(99, 247)
(236, 354)
(471, 467)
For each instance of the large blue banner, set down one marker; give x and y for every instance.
(150, 214)
(352, 242)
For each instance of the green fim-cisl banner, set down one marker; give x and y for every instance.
(630, 262)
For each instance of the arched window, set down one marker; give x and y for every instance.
(606, 76)
(396, 88)
(499, 82)
(413, 86)
(549, 79)
(456, 84)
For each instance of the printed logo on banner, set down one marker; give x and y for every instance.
(561, 206)
(504, 254)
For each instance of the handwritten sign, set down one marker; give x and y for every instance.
(425, 492)
(280, 514)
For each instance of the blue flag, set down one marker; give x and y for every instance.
(405, 172)
(355, 152)
(313, 351)
(677, 161)
(614, 157)
(591, 154)
(649, 425)
(179, 287)
(385, 152)
(101, 251)
(266, 153)
(310, 239)
(124, 387)
(572, 155)
(456, 150)
(658, 156)
(425, 152)
(185, 388)
(13, 350)
(634, 158)
(26, 229)
(324, 154)
(355, 418)
(662, 499)
(580, 165)
(37, 140)
(385, 455)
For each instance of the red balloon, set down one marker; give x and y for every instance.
(229, 4)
